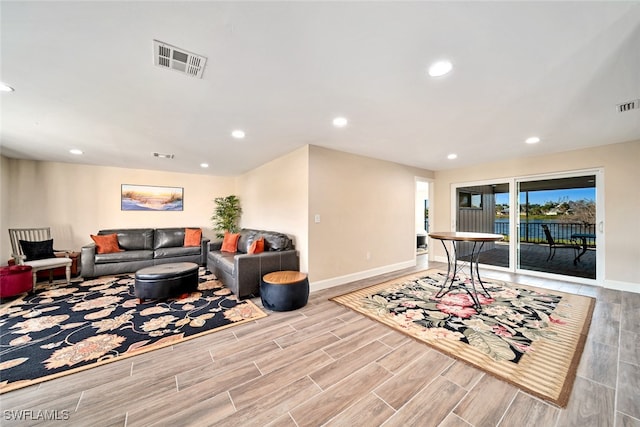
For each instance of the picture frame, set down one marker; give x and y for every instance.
(467, 200)
(151, 198)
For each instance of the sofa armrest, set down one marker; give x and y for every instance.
(204, 250)
(249, 269)
(216, 245)
(87, 260)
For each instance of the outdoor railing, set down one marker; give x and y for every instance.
(532, 232)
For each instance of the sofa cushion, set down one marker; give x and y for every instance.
(37, 250)
(247, 236)
(274, 241)
(133, 238)
(174, 252)
(124, 256)
(168, 238)
(257, 246)
(192, 236)
(230, 242)
(226, 262)
(106, 244)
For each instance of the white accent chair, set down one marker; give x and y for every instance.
(37, 235)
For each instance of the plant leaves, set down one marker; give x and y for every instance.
(490, 345)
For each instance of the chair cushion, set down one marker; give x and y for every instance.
(37, 250)
(192, 236)
(106, 244)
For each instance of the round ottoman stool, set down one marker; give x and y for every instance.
(284, 290)
(166, 280)
(14, 280)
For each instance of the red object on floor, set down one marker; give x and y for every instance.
(15, 280)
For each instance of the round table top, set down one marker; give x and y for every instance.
(465, 236)
(284, 277)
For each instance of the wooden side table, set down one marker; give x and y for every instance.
(284, 290)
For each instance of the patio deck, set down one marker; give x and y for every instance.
(534, 257)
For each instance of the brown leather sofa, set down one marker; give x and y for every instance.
(242, 272)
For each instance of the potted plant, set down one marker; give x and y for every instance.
(226, 215)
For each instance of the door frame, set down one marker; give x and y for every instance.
(514, 221)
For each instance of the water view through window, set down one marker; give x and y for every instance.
(555, 224)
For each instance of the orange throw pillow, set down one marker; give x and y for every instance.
(257, 247)
(192, 236)
(230, 242)
(106, 244)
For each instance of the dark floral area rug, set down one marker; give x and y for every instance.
(530, 337)
(62, 330)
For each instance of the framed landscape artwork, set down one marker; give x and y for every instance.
(151, 198)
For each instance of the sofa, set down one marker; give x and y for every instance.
(139, 248)
(242, 272)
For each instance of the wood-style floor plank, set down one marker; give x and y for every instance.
(325, 364)
(326, 405)
(529, 411)
(486, 402)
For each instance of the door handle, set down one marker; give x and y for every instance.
(601, 226)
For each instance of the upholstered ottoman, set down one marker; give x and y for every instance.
(166, 280)
(284, 290)
(15, 280)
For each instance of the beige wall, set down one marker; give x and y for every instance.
(367, 214)
(275, 197)
(621, 195)
(78, 200)
(5, 247)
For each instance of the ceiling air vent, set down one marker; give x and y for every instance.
(175, 58)
(627, 106)
(164, 156)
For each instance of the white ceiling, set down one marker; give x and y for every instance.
(84, 78)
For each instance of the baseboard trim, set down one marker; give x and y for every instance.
(622, 286)
(608, 284)
(341, 280)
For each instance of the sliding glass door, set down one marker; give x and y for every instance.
(557, 219)
(551, 224)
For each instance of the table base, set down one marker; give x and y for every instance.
(453, 268)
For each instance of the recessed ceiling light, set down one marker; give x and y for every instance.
(440, 68)
(452, 156)
(5, 87)
(532, 140)
(340, 122)
(76, 151)
(237, 134)
(204, 165)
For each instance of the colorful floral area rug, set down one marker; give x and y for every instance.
(62, 330)
(532, 338)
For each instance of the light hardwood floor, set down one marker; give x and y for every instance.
(326, 365)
